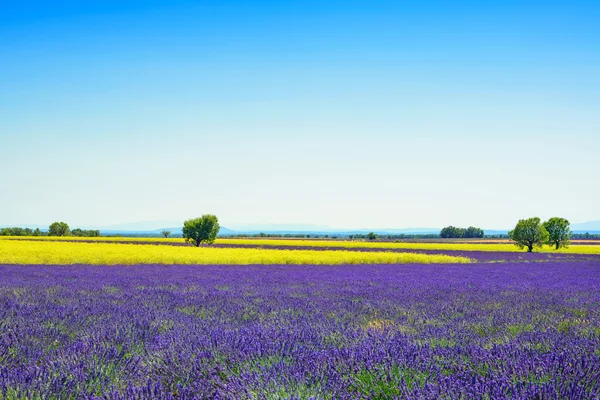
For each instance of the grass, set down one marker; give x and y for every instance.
(491, 247)
(65, 253)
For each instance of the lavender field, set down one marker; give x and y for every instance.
(511, 329)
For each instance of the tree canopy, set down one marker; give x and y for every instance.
(85, 232)
(529, 233)
(461, 233)
(201, 230)
(559, 232)
(58, 229)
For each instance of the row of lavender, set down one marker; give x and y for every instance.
(508, 330)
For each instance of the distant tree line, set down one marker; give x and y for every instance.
(271, 235)
(586, 235)
(55, 229)
(85, 232)
(16, 231)
(452, 232)
(335, 236)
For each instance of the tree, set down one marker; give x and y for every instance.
(371, 236)
(165, 233)
(559, 232)
(452, 232)
(37, 232)
(473, 232)
(85, 232)
(58, 229)
(529, 233)
(201, 230)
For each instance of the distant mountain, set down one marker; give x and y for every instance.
(244, 228)
(138, 226)
(494, 232)
(586, 226)
(175, 232)
(224, 231)
(318, 229)
(153, 228)
(330, 232)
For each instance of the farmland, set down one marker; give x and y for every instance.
(489, 245)
(299, 200)
(53, 252)
(496, 330)
(132, 321)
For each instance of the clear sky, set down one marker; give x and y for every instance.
(378, 114)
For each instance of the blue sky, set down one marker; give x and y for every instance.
(378, 114)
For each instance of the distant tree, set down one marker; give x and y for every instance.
(559, 232)
(371, 236)
(18, 231)
(165, 233)
(59, 229)
(201, 230)
(451, 232)
(472, 232)
(85, 232)
(37, 232)
(529, 233)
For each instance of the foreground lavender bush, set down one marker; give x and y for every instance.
(502, 330)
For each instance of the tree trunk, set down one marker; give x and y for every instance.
(530, 248)
(557, 244)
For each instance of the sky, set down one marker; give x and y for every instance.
(351, 114)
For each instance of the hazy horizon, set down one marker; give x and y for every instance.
(149, 226)
(342, 113)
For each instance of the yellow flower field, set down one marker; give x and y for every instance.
(573, 249)
(53, 252)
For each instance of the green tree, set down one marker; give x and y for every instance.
(529, 233)
(85, 233)
(473, 232)
(201, 230)
(371, 236)
(58, 229)
(37, 232)
(165, 233)
(559, 232)
(452, 232)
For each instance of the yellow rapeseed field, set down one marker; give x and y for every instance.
(53, 252)
(573, 249)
